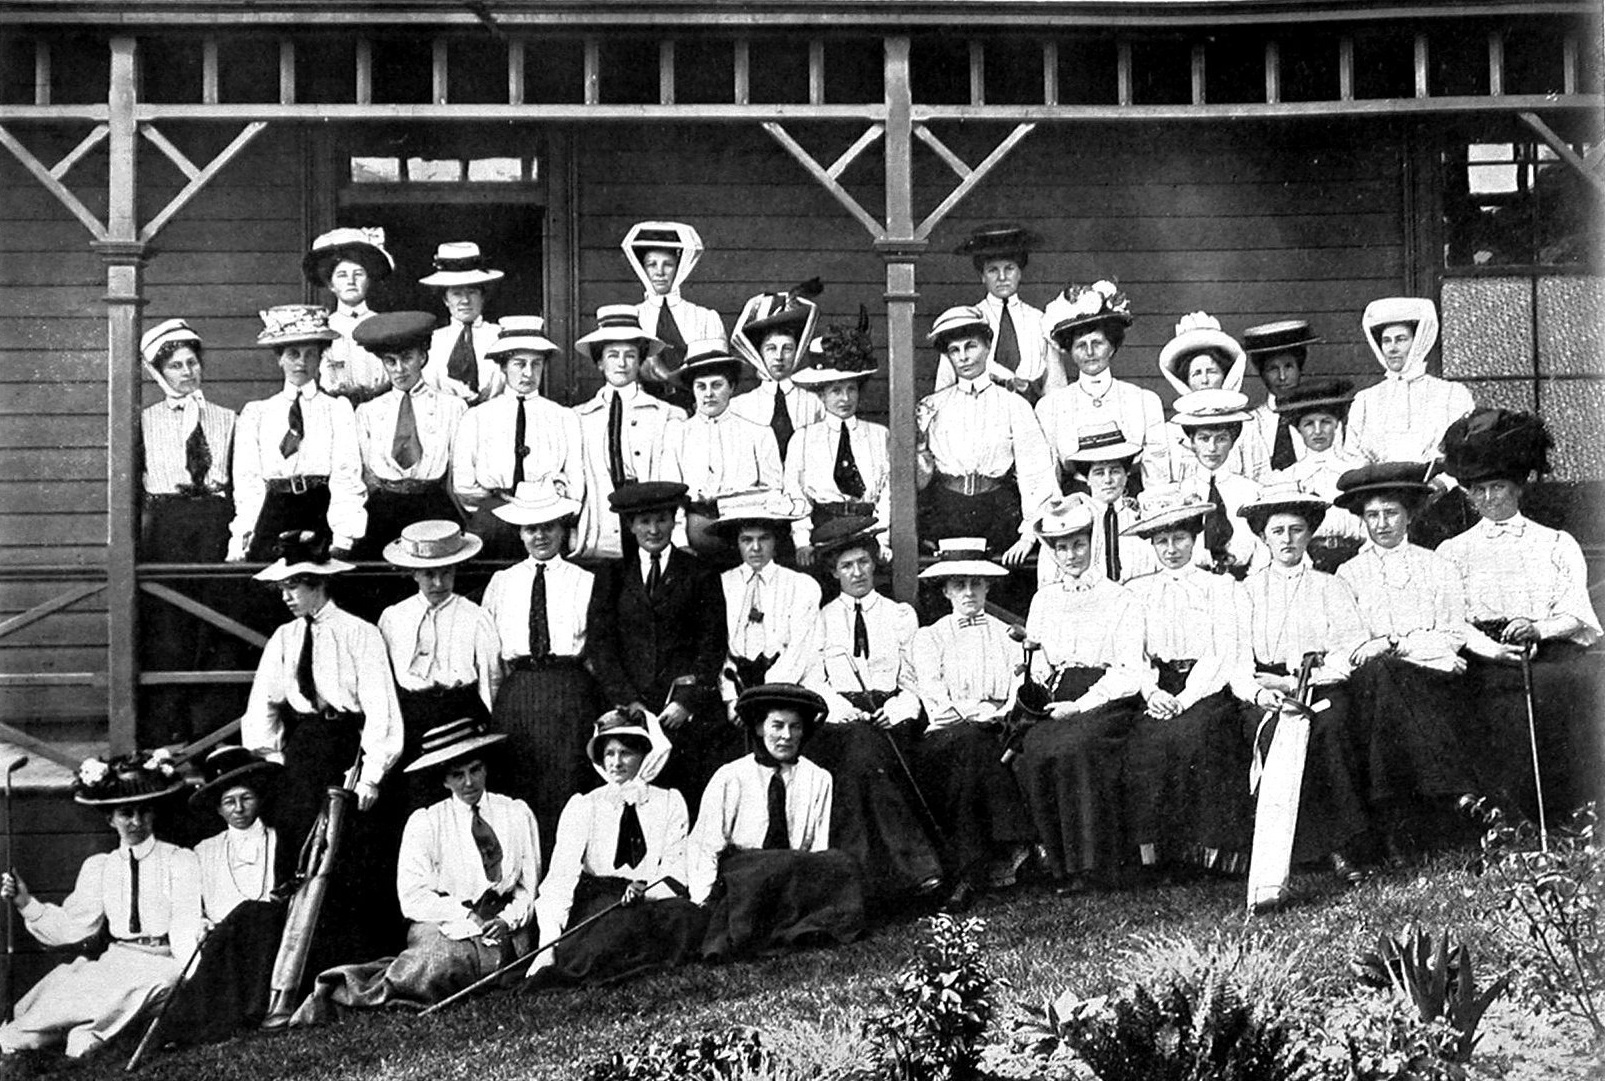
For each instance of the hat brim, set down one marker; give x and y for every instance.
(1353, 500)
(533, 343)
(213, 790)
(278, 572)
(396, 555)
(692, 370)
(139, 797)
(606, 335)
(1260, 352)
(999, 244)
(447, 279)
(725, 527)
(1068, 327)
(795, 320)
(514, 514)
(823, 377)
(1337, 406)
(1211, 420)
(754, 704)
(978, 328)
(296, 338)
(1112, 452)
(593, 746)
(1169, 519)
(444, 756)
(319, 263)
(963, 568)
(1301, 507)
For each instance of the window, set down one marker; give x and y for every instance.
(436, 170)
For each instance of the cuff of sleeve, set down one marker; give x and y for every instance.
(33, 909)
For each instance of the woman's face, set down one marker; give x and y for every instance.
(523, 368)
(1318, 430)
(544, 540)
(1287, 535)
(779, 354)
(652, 529)
(1107, 481)
(134, 823)
(466, 781)
(1496, 498)
(1174, 547)
(1211, 445)
(182, 370)
(349, 283)
(855, 572)
(1072, 553)
(840, 398)
(1092, 351)
(240, 806)
(968, 356)
(1280, 373)
(1396, 341)
(299, 362)
(782, 733)
(303, 596)
(712, 393)
(435, 583)
(756, 543)
(1001, 277)
(1204, 372)
(967, 595)
(405, 368)
(620, 363)
(660, 265)
(465, 303)
(1387, 520)
(620, 761)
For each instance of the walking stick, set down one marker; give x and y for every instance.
(902, 762)
(11, 909)
(528, 957)
(161, 1012)
(1532, 741)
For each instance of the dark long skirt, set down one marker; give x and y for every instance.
(977, 803)
(766, 902)
(228, 990)
(1332, 813)
(1412, 724)
(1569, 719)
(284, 511)
(875, 814)
(547, 710)
(1186, 786)
(629, 941)
(391, 512)
(185, 529)
(1069, 772)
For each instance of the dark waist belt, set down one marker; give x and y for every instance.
(541, 664)
(1270, 669)
(708, 508)
(971, 483)
(146, 941)
(289, 717)
(1173, 674)
(409, 487)
(299, 484)
(824, 512)
(438, 691)
(186, 493)
(868, 701)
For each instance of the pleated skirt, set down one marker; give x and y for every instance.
(548, 713)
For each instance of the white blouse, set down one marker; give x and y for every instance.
(588, 839)
(568, 595)
(440, 874)
(236, 866)
(735, 814)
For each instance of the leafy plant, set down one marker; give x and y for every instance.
(1439, 983)
(1383, 1038)
(942, 1007)
(735, 1055)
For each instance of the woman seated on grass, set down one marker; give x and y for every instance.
(760, 855)
(621, 846)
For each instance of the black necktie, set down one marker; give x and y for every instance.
(540, 640)
(490, 849)
(520, 430)
(1111, 544)
(860, 631)
(463, 365)
(631, 849)
(197, 455)
(669, 334)
(303, 667)
(849, 481)
(405, 446)
(1217, 530)
(1282, 455)
(133, 894)
(615, 438)
(776, 835)
(780, 423)
(1007, 352)
(296, 430)
(654, 577)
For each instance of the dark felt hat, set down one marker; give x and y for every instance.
(848, 531)
(792, 311)
(232, 765)
(999, 240)
(710, 356)
(636, 497)
(389, 332)
(1331, 396)
(1279, 337)
(756, 702)
(1496, 443)
(1081, 307)
(1405, 480)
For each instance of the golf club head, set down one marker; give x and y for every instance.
(16, 763)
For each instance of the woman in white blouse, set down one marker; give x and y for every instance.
(623, 844)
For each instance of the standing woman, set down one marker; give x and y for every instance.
(348, 262)
(548, 696)
(297, 465)
(662, 255)
(185, 442)
(773, 334)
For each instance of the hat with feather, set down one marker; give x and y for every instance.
(792, 312)
(1488, 444)
(840, 354)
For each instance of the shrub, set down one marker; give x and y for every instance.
(736, 1055)
(1440, 984)
(1383, 1038)
(942, 1007)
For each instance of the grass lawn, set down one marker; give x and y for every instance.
(809, 1005)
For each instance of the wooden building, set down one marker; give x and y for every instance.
(1257, 159)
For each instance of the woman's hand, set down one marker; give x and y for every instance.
(367, 795)
(673, 716)
(1063, 711)
(633, 893)
(805, 555)
(1270, 698)
(1272, 682)
(494, 932)
(1016, 553)
(1370, 650)
(14, 889)
(1162, 706)
(1520, 631)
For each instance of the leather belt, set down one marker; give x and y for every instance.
(300, 484)
(824, 512)
(539, 664)
(186, 493)
(144, 941)
(408, 486)
(969, 483)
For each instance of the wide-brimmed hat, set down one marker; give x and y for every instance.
(1419, 313)
(640, 496)
(840, 354)
(836, 535)
(287, 324)
(364, 246)
(963, 557)
(619, 323)
(433, 543)
(1080, 307)
(1000, 240)
(1166, 506)
(1205, 408)
(535, 502)
(754, 704)
(623, 722)
(392, 332)
(792, 311)
(459, 262)
(302, 551)
(1199, 332)
(1103, 442)
(232, 765)
(1282, 336)
(757, 506)
(163, 333)
(1330, 396)
(675, 236)
(131, 778)
(1283, 498)
(453, 741)
(521, 332)
(708, 356)
(1489, 444)
(1064, 516)
(964, 321)
(1406, 480)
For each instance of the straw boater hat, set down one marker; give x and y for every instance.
(792, 312)
(638, 497)
(619, 323)
(129, 778)
(840, 355)
(302, 552)
(759, 506)
(1200, 332)
(1286, 498)
(232, 765)
(434, 543)
(1208, 408)
(459, 262)
(1491, 444)
(963, 557)
(1081, 307)
(364, 246)
(709, 356)
(535, 502)
(1064, 516)
(1104, 442)
(1285, 336)
(755, 703)
(1330, 396)
(1000, 240)
(452, 742)
(964, 321)
(1406, 481)
(1168, 506)
(520, 332)
(287, 324)
(394, 332)
(836, 535)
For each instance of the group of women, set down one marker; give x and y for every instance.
(664, 644)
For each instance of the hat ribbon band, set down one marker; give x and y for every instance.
(466, 262)
(435, 549)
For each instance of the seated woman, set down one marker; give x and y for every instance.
(966, 670)
(1296, 611)
(760, 855)
(621, 846)
(466, 880)
(770, 610)
(1201, 356)
(228, 989)
(1526, 594)
(1410, 701)
(146, 894)
(1186, 774)
(1091, 663)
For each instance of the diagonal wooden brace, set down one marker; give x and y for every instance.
(200, 178)
(968, 183)
(53, 183)
(827, 177)
(201, 611)
(45, 608)
(1563, 149)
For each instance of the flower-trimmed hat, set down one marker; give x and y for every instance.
(1207, 408)
(619, 323)
(233, 765)
(964, 321)
(1200, 332)
(755, 703)
(129, 778)
(364, 246)
(759, 506)
(641, 496)
(1330, 396)
(1064, 516)
(1406, 481)
(432, 543)
(459, 262)
(527, 332)
(287, 324)
(1489, 444)
(1286, 498)
(1169, 506)
(1284, 336)
(793, 312)
(839, 355)
(393, 332)
(1081, 307)
(302, 551)
(1104, 442)
(1000, 240)
(452, 742)
(536, 502)
(708, 356)
(963, 557)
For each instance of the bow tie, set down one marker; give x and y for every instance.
(183, 401)
(972, 621)
(1507, 528)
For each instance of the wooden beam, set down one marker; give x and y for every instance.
(207, 742)
(201, 179)
(841, 194)
(1273, 72)
(205, 613)
(1423, 87)
(850, 155)
(977, 73)
(15, 680)
(1197, 73)
(593, 71)
(515, 71)
(363, 89)
(41, 72)
(439, 72)
(44, 608)
(196, 678)
(666, 71)
(965, 186)
(1568, 57)
(1563, 150)
(174, 154)
(492, 112)
(742, 91)
(1496, 63)
(1123, 80)
(900, 250)
(1050, 73)
(954, 162)
(286, 72)
(73, 156)
(816, 72)
(1345, 68)
(63, 194)
(209, 71)
(1509, 105)
(36, 746)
